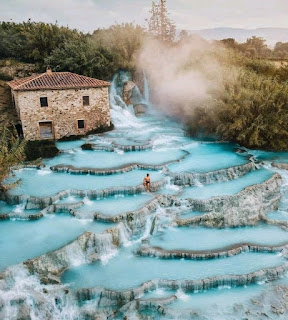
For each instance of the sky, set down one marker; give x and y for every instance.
(88, 15)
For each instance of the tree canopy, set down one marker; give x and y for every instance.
(160, 25)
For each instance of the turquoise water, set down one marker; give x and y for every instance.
(114, 205)
(17, 211)
(206, 157)
(94, 159)
(199, 238)
(130, 271)
(215, 304)
(228, 187)
(270, 156)
(35, 183)
(22, 240)
(225, 303)
(69, 145)
(278, 215)
(218, 298)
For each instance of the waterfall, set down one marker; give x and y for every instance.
(74, 254)
(124, 235)
(146, 89)
(121, 114)
(105, 247)
(22, 296)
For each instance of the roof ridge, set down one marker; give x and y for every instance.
(57, 80)
(32, 79)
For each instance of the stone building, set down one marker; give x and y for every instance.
(52, 105)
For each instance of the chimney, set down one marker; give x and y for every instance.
(49, 70)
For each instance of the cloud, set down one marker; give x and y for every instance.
(88, 15)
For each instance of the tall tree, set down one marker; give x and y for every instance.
(160, 25)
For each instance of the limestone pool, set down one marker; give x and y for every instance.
(80, 238)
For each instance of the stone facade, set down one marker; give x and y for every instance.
(65, 108)
(53, 105)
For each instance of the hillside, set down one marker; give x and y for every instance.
(272, 35)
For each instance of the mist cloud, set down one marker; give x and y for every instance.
(181, 77)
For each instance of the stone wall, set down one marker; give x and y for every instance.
(65, 108)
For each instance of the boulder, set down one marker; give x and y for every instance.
(127, 91)
(140, 109)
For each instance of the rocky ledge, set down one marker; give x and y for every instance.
(88, 248)
(100, 172)
(280, 165)
(158, 252)
(109, 297)
(247, 207)
(192, 179)
(43, 202)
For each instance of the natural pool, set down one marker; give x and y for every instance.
(206, 157)
(125, 269)
(94, 159)
(227, 187)
(130, 271)
(35, 183)
(22, 240)
(199, 238)
(113, 206)
(222, 303)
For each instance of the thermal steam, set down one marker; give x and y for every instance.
(182, 76)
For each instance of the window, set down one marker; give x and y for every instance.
(81, 124)
(86, 101)
(44, 102)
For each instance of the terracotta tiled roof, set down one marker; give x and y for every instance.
(56, 80)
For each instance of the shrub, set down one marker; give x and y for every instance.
(40, 149)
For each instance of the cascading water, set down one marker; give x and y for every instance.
(146, 90)
(97, 228)
(122, 114)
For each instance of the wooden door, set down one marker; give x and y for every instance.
(46, 130)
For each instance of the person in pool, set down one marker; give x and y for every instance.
(146, 182)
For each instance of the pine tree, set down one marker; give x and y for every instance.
(160, 25)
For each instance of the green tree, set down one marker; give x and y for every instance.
(123, 41)
(159, 24)
(281, 46)
(256, 46)
(82, 56)
(32, 41)
(11, 151)
(230, 43)
(43, 38)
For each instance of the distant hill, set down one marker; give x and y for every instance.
(272, 35)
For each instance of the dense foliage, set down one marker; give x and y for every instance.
(256, 47)
(253, 107)
(250, 109)
(98, 55)
(11, 151)
(32, 41)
